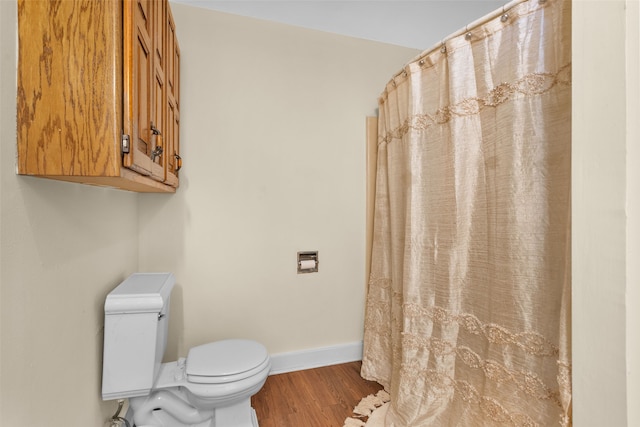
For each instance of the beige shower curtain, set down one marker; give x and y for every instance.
(468, 310)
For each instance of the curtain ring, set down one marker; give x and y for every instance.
(468, 34)
(443, 49)
(505, 16)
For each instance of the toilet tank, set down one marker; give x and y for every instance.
(136, 323)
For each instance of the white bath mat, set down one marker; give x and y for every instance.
(372, 407)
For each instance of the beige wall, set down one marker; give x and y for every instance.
(63, 247)
(274, 163)
(633, 213)
(274, 142)
(606, 214)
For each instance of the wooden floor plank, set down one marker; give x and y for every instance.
(321, 397)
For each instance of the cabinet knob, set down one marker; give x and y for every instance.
(155, 130)
(156, 152)
(178, 162)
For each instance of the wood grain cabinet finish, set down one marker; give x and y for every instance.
(98, 93)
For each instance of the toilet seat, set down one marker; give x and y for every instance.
(225, 361)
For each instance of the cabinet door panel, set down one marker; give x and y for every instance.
(158, 112)
(142, 118)
(172, 73)
(140, 86)
(173, 158)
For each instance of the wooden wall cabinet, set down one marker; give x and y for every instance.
(98, 93)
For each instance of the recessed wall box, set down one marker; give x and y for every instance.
(308, 262)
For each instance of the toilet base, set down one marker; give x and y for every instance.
(238, 415)
(166, 409)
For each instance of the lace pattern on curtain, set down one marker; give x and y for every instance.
(529, 85)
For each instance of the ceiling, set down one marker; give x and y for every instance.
(418, 24)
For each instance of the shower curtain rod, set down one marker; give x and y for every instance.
(475, 24)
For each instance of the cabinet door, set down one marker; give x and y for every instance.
(158, 117)
(173, 161)
(141, 85)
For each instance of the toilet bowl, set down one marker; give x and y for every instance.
(211, 387)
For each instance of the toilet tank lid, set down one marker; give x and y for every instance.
(140, 293)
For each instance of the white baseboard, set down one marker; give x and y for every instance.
(315, 357)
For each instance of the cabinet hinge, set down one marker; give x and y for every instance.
(126, 146)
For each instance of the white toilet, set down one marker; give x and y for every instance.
(212, 387)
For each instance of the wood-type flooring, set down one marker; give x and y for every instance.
(321, 397)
